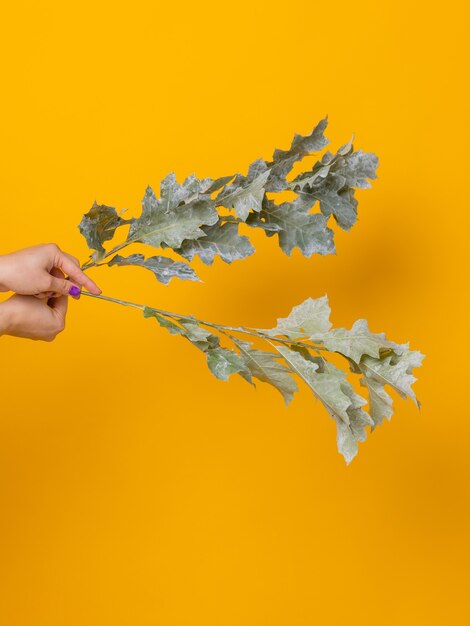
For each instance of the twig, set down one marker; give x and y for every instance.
(255, 332)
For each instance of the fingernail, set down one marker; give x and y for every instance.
(74, 291)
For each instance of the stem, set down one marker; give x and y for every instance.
(255, 332)
(116, 300)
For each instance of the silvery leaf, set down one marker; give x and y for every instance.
(175, 216)
(98, 226)
(222, 240)
(163, 268)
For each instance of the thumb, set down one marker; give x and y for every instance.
(64, 287)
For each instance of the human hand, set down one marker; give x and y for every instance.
(30, 272)
(33, 318)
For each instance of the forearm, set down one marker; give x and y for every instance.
(3, 272)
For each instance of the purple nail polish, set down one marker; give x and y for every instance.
(74, 291)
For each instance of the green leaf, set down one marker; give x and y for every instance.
(98, 226)
(358, 167)
(194, 331)
(164, 322)
(163, 268)
(208, 185)
(330, 386)
(348, 435)
(266, 367)
(222, 362)
(336, 200)
(283, 160)
(394, 370)
(333, 179)
(212, 341)
(380, 403)
(326, 385)
(222, 240)
(177, 215)
(321, 168)
(355, 342)
(296, 227)
(255, 221)
(246, 192)
(308, 319)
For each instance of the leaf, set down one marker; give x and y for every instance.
(283, 160)
(358, 167)
(296, 227)
(266, 367)
(355, 342)
(194, 332)
(348, 435)
(162, 267)
(336, 200)
(330, 386)
(222, 362)
(195, 187)
(333, 179)
(308, 319)
(210, 186)
(321, 168)
(326, 385)
(211, 341)
(175, 216)
(246, 193)
(380, 403)
(98, 226)
(222, 240)
(170, 326)
(270, 229)
(394, 370)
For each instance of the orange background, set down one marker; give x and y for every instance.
(135, 488)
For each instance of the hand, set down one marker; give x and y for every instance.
(33, 318)
(30, 272)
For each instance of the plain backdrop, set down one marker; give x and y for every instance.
(135, 488)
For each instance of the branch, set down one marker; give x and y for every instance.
(254, 332)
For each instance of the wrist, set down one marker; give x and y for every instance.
(6, 322)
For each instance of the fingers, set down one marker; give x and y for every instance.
(62, 287)
(59, 306)
(46, 295)
(69, 265)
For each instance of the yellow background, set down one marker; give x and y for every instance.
(135, 488)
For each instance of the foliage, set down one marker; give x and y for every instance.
(202, 217)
